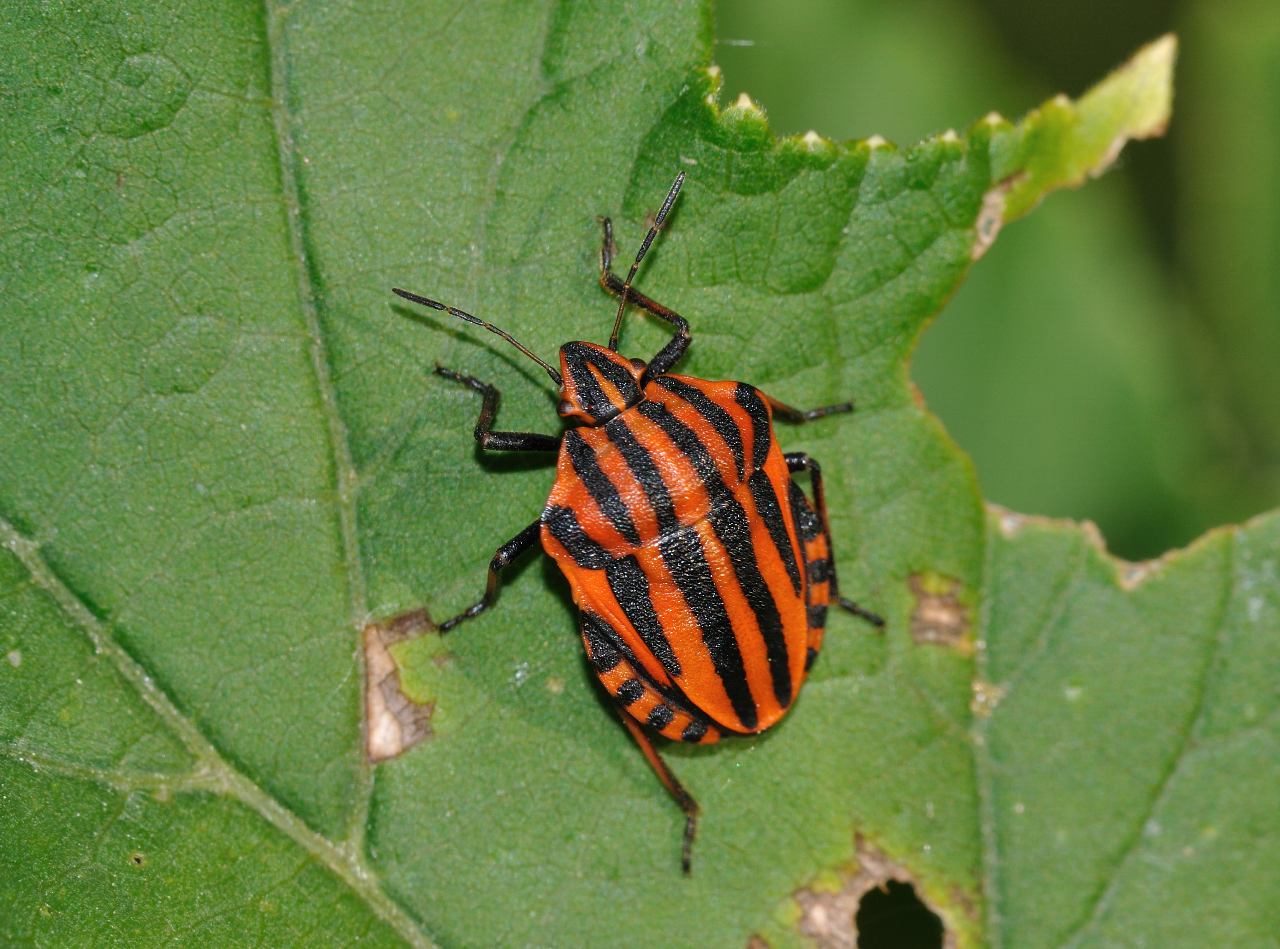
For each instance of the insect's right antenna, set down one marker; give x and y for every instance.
(644, 249)
(464, 315)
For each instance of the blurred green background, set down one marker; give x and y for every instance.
(1116, 355)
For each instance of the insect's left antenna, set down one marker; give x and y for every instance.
(467, 317)
(644, 249)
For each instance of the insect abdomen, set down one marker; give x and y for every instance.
(627, 685)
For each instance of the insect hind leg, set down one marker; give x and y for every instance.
(636, 699)
(815, 536)
(673, 786)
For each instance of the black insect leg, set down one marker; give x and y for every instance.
(505, 554)
(799, 461)
(498, 441)
(670, 354)
(799, 416)
(654, 229)
(671, 783)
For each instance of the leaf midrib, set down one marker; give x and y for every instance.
(343, 468)
(211, 772)
(347, 859)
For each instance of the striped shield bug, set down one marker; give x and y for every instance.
(702, 573)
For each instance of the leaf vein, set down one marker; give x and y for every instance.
(305, 263)
(223, 777)
(1106, 892)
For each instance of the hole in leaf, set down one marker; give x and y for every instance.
(877, 905)
(893, 916)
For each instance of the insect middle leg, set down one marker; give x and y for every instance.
(490, 440)
(824, 569)
(501, 559)
(498, 441)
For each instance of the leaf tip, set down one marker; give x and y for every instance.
(745, 103)
(1161, 52)
(1142, 87)
(1064, 143)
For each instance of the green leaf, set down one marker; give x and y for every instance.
(225, 453)
(1128, 746)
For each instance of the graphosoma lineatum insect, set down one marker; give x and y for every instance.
(701, 571)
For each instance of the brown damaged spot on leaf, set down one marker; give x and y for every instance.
(1133, 573)
(394, 723)
(986, 696)
(829, 918)
(991, 215)
(939, 618)
(917, 396)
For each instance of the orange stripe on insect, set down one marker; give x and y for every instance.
(697, 670)
(746, 631)
(616, 398)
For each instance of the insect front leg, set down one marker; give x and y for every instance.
(501, 559)
(498, 441)
(670, 354)
(799, 461)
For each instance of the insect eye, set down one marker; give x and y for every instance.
(565, 407)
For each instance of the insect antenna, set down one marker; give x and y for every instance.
(644, 249)
(467, 317)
